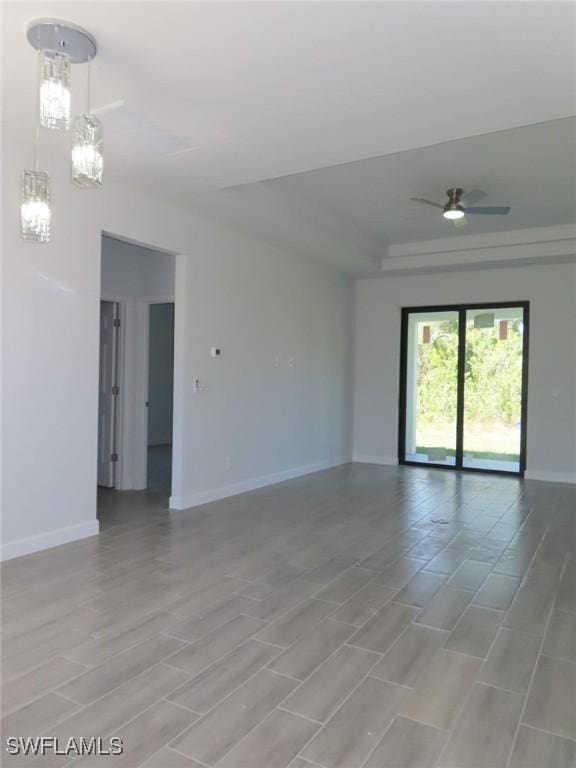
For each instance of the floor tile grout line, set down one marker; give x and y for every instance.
(281, 648)
(234, 690)
(499, 627)
(116, 730)
(56, 655)
(130, 648)
(421, 722)
(318, 723)
(165, 698)
(44, 692)
(308, 742)
(266, 716)
(175, 749)
(326, 660)
(571, 662)
(282, 674)
(391, 682)
(550, 733)
(462, 709)
(347, 697)
(159, 633)
(538, 655)
(82, 707)
(386, 730)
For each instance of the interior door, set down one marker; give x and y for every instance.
(107, 393)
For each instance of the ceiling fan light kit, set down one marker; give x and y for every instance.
(59, 44)
(454, 213)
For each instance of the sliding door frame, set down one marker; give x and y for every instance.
(402, 402)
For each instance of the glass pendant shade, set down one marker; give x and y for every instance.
(55, 96)
(35, 213)
(87, 157)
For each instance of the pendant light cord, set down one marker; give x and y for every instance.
(36, 143)
(37, 113)
(88, 84)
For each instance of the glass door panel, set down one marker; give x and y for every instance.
(493, 389)
(431, 391)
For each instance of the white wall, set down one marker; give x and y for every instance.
(255, 301)
(551, 290)
(130, 271)
(160, 374)
(279, 399)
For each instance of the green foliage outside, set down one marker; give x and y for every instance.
(493, 375)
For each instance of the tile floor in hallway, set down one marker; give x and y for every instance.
(360, 617)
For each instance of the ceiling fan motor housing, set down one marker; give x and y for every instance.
(453, 205)
(454, 194)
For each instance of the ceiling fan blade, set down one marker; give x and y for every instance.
(472, 197)
(426, 202)
(463, 222)
(494, 210)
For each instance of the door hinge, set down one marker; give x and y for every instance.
(113, 457)
(115, 390)
(116, 322)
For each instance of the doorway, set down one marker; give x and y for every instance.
(464, 387)
(160, 399)
(136, 376)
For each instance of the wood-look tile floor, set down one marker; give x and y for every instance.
(359, 617)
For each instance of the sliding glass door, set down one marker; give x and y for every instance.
(463, 386)
(431, 387)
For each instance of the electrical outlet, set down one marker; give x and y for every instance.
(199, 385)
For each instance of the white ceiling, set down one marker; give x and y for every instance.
(533, 169)
(216, 95)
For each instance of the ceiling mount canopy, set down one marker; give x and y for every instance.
(53, 36)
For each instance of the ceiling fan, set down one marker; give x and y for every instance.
(454, 211)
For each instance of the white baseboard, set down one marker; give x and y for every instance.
(31, 544)
(223, 492)
(546, 476)
(362, 458)
(550, 477)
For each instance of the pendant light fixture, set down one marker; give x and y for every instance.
(87, 158)
(54, 91)
(60, 45)
(35, 212)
